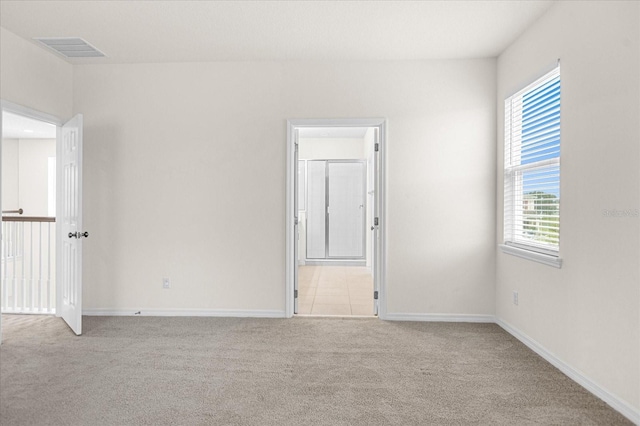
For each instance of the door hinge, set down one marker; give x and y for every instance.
(296, 221)
(377, 147)
(375, 295)
(295, 294)
(375, 221)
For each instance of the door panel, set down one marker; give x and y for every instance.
(70, 224)
(296, 227)
(375, 228)
(316, 209)
(302, 185)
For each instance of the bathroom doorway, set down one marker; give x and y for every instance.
(336, 197)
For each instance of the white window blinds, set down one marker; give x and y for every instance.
(532, 166)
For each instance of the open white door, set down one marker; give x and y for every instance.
(296, 222)
(1, 236)
(375, 228)
(70, 233)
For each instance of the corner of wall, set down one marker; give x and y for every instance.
(571, 316)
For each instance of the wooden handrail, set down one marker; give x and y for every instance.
(19, 211)
(28, 219)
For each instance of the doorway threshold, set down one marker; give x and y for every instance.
(320, 316)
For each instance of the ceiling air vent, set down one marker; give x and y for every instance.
(71, 47)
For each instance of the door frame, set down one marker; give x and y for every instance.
(24, 111)
(291, 264)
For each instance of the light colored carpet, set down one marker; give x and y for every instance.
(316, 371)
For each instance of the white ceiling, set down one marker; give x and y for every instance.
(196, 31)
(19, 127)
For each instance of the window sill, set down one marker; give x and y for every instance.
(546, 259)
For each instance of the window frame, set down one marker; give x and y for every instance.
(513, 223)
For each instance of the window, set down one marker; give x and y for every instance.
(532, 167)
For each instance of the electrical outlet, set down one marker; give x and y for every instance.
(166, 283)
(515, 298)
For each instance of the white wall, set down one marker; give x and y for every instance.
(587, 313)
(185, 163)
(331, 148)
(25, 179)
(10, 167)
(34, 176)
(33, 77)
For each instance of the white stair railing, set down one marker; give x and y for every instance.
(28, 265)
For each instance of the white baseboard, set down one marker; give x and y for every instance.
(184, 313)
(616, 403)
(439, 317)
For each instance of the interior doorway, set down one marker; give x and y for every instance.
(28, 259)
(335, 244)
(41, 199)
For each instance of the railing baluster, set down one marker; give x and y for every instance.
(9, 240)
(31, 273)
(15, 282)
(20, 254)
(40, 267)
(5, 264)
(3, 267)
(48, 267)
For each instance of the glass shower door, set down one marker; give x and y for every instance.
(346, 209)
(336, 209)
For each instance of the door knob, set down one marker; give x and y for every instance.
(78, 234)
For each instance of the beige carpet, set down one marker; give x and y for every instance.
(302, 371)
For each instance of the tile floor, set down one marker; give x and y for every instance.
(335, 290)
